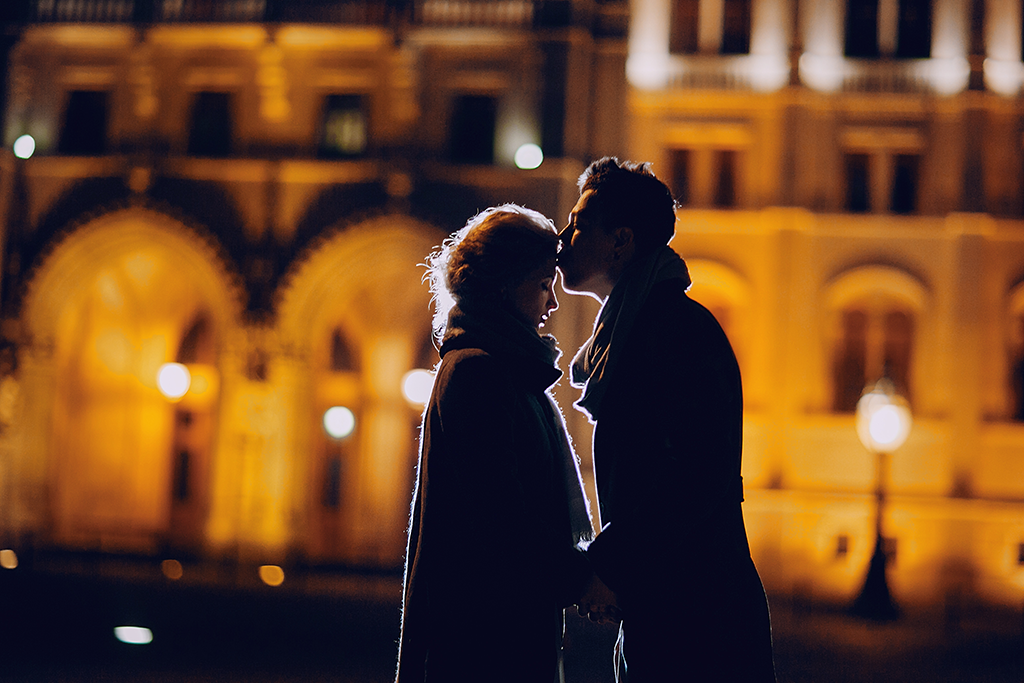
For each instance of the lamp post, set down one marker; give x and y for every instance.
(883, 424)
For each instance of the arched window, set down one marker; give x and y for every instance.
(726, 294)
(875, 312)
(1015, 355)
(875, 342)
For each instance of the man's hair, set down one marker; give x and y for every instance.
(628, 194)
(494, 252)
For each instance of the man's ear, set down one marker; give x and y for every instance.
(624, 242)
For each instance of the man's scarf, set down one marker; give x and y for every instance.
(595, 362)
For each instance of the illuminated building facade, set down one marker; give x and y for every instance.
(851, 178)
(246, 187)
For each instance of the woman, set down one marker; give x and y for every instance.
(499, 514)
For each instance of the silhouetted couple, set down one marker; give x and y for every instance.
(501, 538)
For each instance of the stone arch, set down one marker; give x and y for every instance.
(874, 293)
(364, 277)
(727, 294)
(103, 309)
(81, 251)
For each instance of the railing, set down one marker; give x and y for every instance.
(374, 12)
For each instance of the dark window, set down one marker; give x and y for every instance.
(472, 129)
(344, 132)
(342, 358)
(1020, 553)
(851, 362)
(332, 481)
(842, 545)
(680, 162)
(899, 341)
(84, 130)
(858, 188)
(683, 31)
(914, 39)
(210, 134)
(1017, 379)
(977, 27)
(182, 490)
(736, 27)
(725, 185)
(904, 183)
(862, 28)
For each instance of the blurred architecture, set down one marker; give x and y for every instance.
(246, 187)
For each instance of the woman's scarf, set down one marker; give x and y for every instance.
(495, 328)
(595, 362)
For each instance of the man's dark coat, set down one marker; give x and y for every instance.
(491, 561)
(667, 448)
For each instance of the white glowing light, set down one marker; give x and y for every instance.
(339, 422)
(885, 425)
(272, 575)
(647, 70)
(883, 418)
(133, 635)
(24, 147)
(8, 559)
(1003, 77)
(173, 380)
(417, 385)
(529, 156)
(767, 73)
(947, 76)
(822, 73)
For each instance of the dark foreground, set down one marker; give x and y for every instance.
(222, 624)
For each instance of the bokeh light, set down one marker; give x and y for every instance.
(133, 635)
(173, 379)
(529, 156)
(272, 575)
(417, 385)
(24, 147)
(172, 569)
(8, 559)
(339, 422)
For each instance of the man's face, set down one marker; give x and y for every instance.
(586, 250)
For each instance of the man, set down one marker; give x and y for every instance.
(661, 384)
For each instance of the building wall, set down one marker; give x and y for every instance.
(797, 114)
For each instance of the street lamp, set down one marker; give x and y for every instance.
(883, 424)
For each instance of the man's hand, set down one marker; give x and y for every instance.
(599, 603)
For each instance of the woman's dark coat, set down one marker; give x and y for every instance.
(667, 448)
(491, 561)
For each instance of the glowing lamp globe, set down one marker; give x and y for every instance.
(339, 422)
(133, 635)
(173, 380)
(24, 147)
(417, 385)
(883, 418)
(529, 156)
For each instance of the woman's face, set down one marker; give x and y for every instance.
(534, 298)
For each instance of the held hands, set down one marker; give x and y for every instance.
(599, 604)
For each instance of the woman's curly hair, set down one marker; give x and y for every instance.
(494, 252)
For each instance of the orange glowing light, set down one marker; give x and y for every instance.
(272, 575)
(172, 569)
(8, 559)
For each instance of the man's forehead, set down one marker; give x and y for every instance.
(583, 203)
